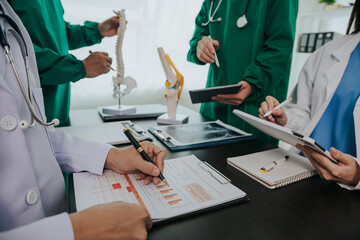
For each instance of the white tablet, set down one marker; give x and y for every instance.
(283, 133)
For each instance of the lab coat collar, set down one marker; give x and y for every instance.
(341, 55)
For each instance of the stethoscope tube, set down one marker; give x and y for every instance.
(211, 17)
(28, 97)
(241, 22)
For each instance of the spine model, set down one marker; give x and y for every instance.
(120, 78)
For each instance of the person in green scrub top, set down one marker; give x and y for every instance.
(256, 54)
(52, 39)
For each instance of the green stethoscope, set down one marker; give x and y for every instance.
(240, 23)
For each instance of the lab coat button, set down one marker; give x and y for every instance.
(31, 197)
(8, 123)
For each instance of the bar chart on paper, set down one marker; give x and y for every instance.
(190, 189)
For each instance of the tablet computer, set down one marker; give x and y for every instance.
(204, 95)
(283, 133)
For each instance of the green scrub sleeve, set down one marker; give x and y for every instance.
(80, 36)
(273, 62)
(55, 69)
(199, 33)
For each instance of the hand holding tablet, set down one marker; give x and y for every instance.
(206, 94)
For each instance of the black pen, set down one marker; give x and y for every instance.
(140, 150)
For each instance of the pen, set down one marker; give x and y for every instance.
(110, 66)
(278, 106)
(140, 150)
(216, 58)
(272, 165)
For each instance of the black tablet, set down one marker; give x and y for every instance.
(205, 95)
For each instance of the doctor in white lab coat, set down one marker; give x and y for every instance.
(33, 202)
(318, 83)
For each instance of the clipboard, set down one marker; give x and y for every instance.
(226, 194)
(111, 133)
(284, 134)
(198, 135)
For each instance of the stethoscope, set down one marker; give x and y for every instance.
(240, 23)
(28, 96)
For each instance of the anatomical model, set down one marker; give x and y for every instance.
(173, 87)
(120, 78)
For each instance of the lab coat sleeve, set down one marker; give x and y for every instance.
(58, 227)
(200, 32)
(80, 36)
(55, 69)
(299, 111)
(273, 62)
(75, 155)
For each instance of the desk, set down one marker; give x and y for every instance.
(310, 209)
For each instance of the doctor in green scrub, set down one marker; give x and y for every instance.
(52, 39)
(253, 41)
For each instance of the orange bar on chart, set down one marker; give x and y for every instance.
(170, 196)
(134, 191)
(160, 186)
(165, 191)
(116, 186)
(174, 202)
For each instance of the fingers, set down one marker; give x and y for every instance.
(146, 167)
(341, 157)
(227, 101)
(326, 168)
(97, 63)
(147, 179)
(209, 45)
(157, 154)
(216, 44)
(204, 54)
(205, 50)
(233, 99)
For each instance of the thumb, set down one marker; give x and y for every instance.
(216, 44)
(340, 156)
(277, 112)
(147, 167)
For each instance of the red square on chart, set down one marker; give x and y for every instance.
(116, 186)
(129, 189)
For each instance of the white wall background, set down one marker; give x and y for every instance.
(151, 23)
(154, 23)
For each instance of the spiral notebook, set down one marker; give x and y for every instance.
(294, 169)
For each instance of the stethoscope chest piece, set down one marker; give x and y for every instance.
(241, 22)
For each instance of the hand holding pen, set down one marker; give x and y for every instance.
(272, 111)
(128, 160)
(206, 50)
(97, 63)
(143, 154)
(216, 57)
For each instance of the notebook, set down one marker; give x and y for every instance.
(197, 135)
(294, 169)
(194, 187)
(111, 133)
